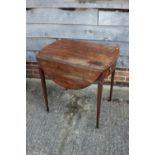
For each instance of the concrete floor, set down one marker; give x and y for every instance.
(69, 127)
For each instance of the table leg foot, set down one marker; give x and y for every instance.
(43, 82)
(111, 85)
(99, 97)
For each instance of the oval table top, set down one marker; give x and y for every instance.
(76, 64)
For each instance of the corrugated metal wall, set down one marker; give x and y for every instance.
(101, 21)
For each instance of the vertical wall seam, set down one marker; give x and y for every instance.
(97, 16)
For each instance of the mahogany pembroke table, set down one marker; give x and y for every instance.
(77, 64)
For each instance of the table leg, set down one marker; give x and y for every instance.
(111, 85)
(43, 82)
(99, 97)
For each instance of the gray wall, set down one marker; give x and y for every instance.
(101, 21)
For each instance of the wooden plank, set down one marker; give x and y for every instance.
(124, 46)
(60, 16)
(31, 56)
(112, 4)
(105, 33)
(36, 44)
(113, 18)
(123, 61)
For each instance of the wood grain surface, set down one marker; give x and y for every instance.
(113, 18)
(86, 32)
(77, 64)
(112, 4)
(61, 16)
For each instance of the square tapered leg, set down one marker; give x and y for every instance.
(43, 82)
(111, 85)
(99, 98)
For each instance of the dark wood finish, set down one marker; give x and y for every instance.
(111, 85)
(77, 64)
(43, 82)
(99, 98)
